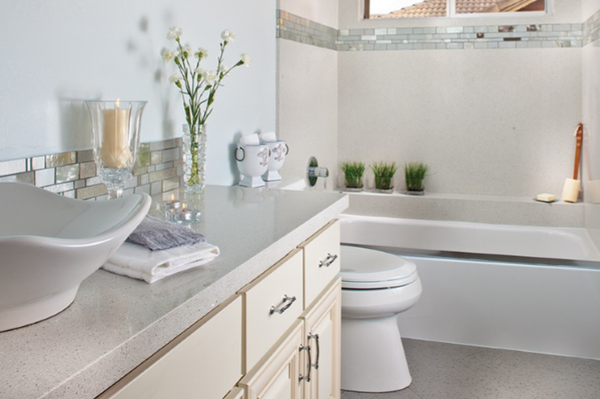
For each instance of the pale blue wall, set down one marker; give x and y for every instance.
(57, 53)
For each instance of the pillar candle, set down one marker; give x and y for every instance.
(115, 152)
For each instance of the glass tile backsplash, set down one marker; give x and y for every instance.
(302, 30)
(73, 174)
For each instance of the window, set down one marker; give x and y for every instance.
(449, 8)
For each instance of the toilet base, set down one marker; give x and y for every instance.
(373, 358)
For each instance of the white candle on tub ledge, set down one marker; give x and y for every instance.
(115, 152)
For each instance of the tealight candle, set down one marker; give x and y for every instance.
(172, 204)
(183, 215)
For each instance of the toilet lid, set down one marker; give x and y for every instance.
(363, 268)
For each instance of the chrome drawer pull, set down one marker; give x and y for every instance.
(328, 261)
(283, 306)
(316, 338)
(307, 349)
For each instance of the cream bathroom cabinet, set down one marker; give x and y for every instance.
(278, 337)
(305, 361)
(288, 371)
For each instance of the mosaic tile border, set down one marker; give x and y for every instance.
(302, 30)
(591, 29)
(73, 174)
(462, 37)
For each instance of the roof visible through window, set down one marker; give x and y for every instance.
(380, 9)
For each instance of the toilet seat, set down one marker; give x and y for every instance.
(368, 269)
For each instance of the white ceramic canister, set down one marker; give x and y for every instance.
(279, 149)
(252, 162)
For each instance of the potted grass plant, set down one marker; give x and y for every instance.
(353, 174)
(414, 173)
(384, 176)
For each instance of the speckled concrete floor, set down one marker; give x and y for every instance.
(447, 371)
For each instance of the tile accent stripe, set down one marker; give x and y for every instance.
(591, 29)
(302, 30)
(73, 174)
(461, 37)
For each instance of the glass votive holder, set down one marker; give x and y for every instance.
(172, 204)
(183, 214)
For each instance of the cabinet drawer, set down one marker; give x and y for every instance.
(271, 304)
(321, 261)
(203, 362)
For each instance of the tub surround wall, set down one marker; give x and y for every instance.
(491, 116)
(591, 111)
(307, 85)
(495, 135)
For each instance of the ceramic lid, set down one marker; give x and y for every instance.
(363, 268)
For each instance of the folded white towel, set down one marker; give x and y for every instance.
(250, 139)
(268, 137)
(139, 262)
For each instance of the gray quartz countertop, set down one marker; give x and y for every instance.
(116, 322)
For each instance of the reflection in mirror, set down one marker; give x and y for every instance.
(439, 8)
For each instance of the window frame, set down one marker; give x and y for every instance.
(451, 7)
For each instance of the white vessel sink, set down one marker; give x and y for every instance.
(49, 244)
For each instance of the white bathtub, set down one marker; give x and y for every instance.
(524, 288)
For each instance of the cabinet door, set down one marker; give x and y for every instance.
(235, 393)
(322, 334)
(203, 362)
(277, 376)
(321, 261)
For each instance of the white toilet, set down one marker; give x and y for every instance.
(376, 286)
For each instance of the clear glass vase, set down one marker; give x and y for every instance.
(194, 158)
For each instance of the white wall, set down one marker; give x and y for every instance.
(588, 8)
(57, 53)
(308, 95)
(591, 120)
(493, 122)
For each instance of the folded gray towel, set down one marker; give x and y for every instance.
(156, 235)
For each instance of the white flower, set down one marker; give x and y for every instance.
(228, 35)
(199, 72)
(210, 77)
(174, 33)
(167, 55)
(186, 50)
(201, 53)
(222, 68)
(176, 77)
(245, 59)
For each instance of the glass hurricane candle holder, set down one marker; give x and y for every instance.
(115, 141)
